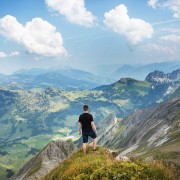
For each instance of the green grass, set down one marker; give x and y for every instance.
(37, 141)
(5, 129)
(141, 92)
(101, 165)
(71, 121)
(143, 84)
(74, 166)
(73, 95)
(25, 131)
(55, 107)
(64, 130)
(15, 159)
(3, 173)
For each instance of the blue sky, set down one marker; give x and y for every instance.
(87, 33)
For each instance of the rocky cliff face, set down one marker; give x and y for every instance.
(106, 128)
(150, 131)
(159, 77)
(46, 160)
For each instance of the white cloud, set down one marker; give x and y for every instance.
(174, 6)
(74, 11)
(37, 36)
(3, 54)
(135, 30)
(160, 48)
(153, 3)
(172, 38)
(11, 54)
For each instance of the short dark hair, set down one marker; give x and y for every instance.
(85, 107)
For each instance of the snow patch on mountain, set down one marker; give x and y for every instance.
(169, 90)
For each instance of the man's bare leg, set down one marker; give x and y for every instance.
(94, 143)
(84, 148)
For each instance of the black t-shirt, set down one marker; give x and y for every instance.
(85, 119)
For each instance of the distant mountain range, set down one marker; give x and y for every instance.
(64, 71)
(73, 79)
(54, 79)
(137, 71)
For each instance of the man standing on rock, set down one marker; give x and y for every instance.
(87, 124)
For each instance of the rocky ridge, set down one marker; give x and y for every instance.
(159, 77)
(46, 160)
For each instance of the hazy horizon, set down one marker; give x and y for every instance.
(86, 69)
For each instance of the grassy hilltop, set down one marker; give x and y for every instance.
(102, 165)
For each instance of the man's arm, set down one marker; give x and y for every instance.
(79, 127)
(93, 126)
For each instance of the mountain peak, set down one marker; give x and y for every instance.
(46, 160)
(156, 76)
(175, 75)
(160, 77)
(127, 81)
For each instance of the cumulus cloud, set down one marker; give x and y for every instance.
(13, 53)
(135, 30)
(74, 11)
(174, 6)
(172, 38)
(153, 3)
(37, 36)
